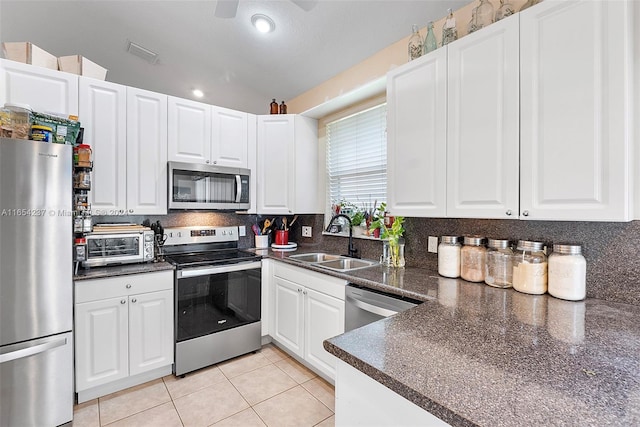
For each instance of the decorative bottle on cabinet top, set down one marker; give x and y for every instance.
(283, 108)
(415, 44)
(430, 43)
(484, 14)
(273, 107)
(449, 30)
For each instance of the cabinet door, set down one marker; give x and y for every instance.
(288, 315)
(575, 70)
(417, 137)
(189, 130)
(146, 152)
(103, 114)
(150, 331)
(229, 143)
(275, 164)
(483, 132)
(324, 318)
(44, 90)
(101, 340)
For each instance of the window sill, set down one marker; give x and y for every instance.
(359, 236)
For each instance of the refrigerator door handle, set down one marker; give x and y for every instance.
(31, 349)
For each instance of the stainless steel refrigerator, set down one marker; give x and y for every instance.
(36, 302)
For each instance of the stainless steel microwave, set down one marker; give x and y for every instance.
(195, 186)
(119, 247)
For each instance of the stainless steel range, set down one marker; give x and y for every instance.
(217, 296)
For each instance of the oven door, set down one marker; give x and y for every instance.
(214, 299)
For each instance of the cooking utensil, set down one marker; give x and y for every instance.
(284, 223)
(267, 224)
(294, 220)
(256, 229)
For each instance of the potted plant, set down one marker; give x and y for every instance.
(393, 245)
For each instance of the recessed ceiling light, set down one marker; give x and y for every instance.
(263, 23)
(198, 93)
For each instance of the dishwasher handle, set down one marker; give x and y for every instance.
(370, 308)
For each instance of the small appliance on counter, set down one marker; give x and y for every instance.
(118, 243)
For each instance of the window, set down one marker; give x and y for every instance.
(357, 159)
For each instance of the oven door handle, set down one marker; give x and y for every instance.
(196, 272)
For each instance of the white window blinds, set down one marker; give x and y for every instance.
(357, 158)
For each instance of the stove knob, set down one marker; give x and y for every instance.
(179, 233)
(224, 233)
(230, 232)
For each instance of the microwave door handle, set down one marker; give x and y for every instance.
(238, 188)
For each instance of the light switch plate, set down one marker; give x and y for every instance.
(433, 244)
(306, 231)
(242, 231)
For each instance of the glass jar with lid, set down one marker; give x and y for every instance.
(449, 257)
(567, 272)
(530, 268)
(499, 265)
(472, 259)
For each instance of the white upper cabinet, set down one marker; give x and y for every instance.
(576, 71)
(103, 114)
(205, 134)
(287, 165)
(44, 90)
(482, 123)
(229, 143)
(417, 137)
(146, 152)
(189, 129)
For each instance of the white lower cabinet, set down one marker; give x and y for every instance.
(123, 332)
(306, 315)
(362, 401)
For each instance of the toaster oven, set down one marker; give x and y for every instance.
(119, 247)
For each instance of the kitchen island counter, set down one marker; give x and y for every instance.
(492, 357)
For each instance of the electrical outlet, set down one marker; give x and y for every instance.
(242, 231)
(306, 231)
(433, 244)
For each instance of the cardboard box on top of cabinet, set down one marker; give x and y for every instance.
(29, 53)
(78, 64)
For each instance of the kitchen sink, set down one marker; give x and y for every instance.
(314, 257)
(347, 264)
(333, 262)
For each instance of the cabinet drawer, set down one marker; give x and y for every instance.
(310, 279)
(97, 289)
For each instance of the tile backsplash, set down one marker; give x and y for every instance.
(612, 250)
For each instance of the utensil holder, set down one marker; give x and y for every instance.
(262, 241)
(282, 237)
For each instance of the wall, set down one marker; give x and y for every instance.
(379, 64)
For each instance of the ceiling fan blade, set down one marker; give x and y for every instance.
(305, 5)
(226, 9)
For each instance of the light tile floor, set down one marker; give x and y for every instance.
(267, 388)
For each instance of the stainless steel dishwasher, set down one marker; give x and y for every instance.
(364, 306)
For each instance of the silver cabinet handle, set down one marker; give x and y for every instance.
(509, 212)
(31, 349)
(134, 300)
(304, 292)
(371, 308)
(299, 290)
(207, 161)
(128, 286)
(525, 213)
(215, 162)
(123, 301)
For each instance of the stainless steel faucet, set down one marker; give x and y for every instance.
(352, 252)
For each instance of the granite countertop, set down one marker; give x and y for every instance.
(121, 270)
(476, 355)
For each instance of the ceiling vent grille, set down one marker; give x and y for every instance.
(141, 52)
